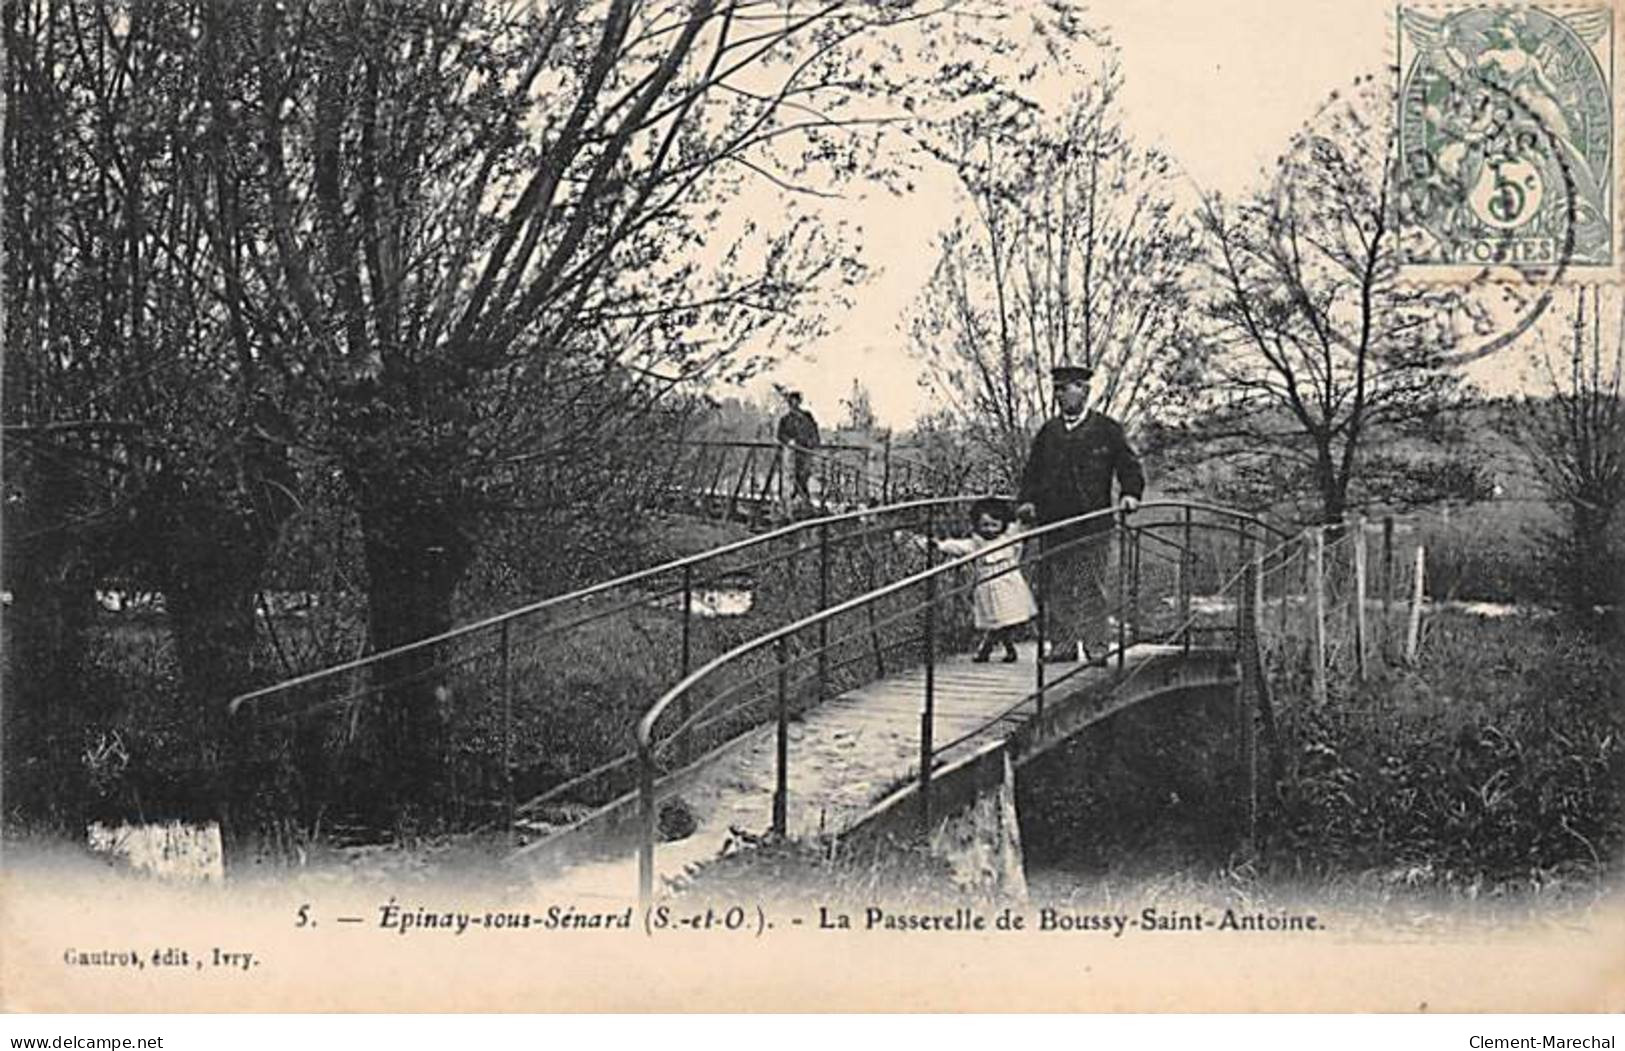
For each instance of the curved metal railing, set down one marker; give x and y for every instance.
(1168, 555)
(539, 701)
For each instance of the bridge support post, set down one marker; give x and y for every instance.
(928, 715)
(978, 833)
(1039, 630)
(746, 469)
(1187, 564)
(823, 604)
(686, 706)
(786, 489)
(781, 783)
(768, 497)
(507, 727)
(1120, 521)
(1133, 585)
(646, 850)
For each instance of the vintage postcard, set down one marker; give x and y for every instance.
(752, 505)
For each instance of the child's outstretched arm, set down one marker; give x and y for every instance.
(949, 546)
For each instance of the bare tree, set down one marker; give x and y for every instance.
(138, 451)
(1315, 344)
(459, 256)
(502, 235)
(1072, 250)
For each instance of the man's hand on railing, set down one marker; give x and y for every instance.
(1027, 514)
(1128, 503)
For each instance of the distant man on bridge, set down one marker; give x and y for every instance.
(798, 433)
(1069, 472)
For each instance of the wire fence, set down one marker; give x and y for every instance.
(1340, 603)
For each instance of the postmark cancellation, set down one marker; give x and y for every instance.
(1507, 130)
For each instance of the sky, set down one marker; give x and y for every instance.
(1220, 85)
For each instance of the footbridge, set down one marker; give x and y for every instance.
(754, 481)
(811, 681)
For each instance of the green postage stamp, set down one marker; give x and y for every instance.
(1506, 138)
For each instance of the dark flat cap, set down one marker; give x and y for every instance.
(1068, 373)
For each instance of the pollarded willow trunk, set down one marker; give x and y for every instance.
(215, 543)
(49, 573)
(417, 552)
(211, 608)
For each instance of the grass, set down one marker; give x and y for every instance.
(1489, 552)
(1488, 778)
(1497, 764)
(781, 872)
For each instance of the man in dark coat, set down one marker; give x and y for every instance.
(1074, 458)
(798, 433)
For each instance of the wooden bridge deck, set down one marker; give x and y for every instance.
(845, 755)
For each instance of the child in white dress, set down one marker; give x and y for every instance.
(1001, 601)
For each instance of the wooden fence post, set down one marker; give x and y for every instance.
(1317, 572)
(1413, 637)
(1285, 572)
(1386, 642)
(1360, 633)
